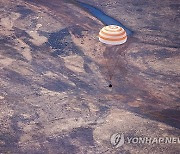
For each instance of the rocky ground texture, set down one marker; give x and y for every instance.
(55, 74)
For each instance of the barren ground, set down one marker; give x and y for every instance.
(54, 77)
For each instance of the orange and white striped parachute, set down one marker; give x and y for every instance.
(113, 35)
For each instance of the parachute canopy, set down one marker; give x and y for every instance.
(113, 35)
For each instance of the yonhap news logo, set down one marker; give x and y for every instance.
(118, 139)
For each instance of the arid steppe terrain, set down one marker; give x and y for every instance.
(55, 74)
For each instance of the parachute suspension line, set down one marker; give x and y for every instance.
(115, 61)
(109, 71)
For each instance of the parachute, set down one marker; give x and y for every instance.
(112, 35)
